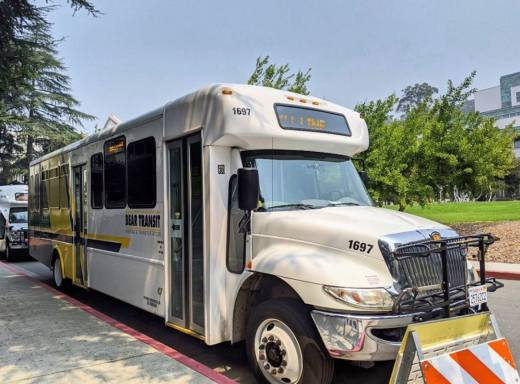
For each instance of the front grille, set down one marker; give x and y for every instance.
(418, 266)
(424, 271)
(417, 269)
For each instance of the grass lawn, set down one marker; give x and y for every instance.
(451, 213)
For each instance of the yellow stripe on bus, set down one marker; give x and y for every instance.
(124, 241)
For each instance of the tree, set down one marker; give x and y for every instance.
(512, 181)
(435, 150)
(36, 107)
(49, 110)
(279, 77)
(414, 95)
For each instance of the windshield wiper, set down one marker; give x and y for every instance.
(294, 205)
(339, 204)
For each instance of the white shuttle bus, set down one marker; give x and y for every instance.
(236, 213)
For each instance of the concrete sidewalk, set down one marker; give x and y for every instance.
(45, 337)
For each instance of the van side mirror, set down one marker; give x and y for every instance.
(364, 177)
(248, 189)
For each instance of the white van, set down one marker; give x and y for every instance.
(236, 213)
(13, 220)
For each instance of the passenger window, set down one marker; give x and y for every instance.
(64, 196)
(236, 244)
(44, 183)
(53, 191)
(115, 173)
(141, 173)
(96, 181)
(37, 192)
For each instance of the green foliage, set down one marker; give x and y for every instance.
(37, 112)
(279, 77)
(512, 181)
(434, 151)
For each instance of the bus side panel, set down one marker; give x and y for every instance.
(125, 248)
(221, 284)
(50, 227)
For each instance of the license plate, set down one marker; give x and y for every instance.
(477, 295)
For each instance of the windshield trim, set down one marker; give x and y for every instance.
(271, 152)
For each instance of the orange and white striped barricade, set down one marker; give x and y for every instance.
(460, 350)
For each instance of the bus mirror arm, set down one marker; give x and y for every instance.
(363, 172)
(364, 177)
(248, 189)
(243, 225)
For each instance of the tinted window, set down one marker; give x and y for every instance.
(115, 173)
(517, 144)
(43, 190)
(141, 173)
(96, 180)
(18, 215)
(64, 193)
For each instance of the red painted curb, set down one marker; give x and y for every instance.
(163, 348)
(503, 275)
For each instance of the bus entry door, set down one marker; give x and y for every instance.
(186, 275)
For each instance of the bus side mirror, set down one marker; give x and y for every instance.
(364, 177)
(248, 189)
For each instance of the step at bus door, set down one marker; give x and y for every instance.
(79, 220)
(186, 301)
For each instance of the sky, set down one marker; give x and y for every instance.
(138, 55)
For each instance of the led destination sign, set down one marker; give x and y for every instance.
(307, 119)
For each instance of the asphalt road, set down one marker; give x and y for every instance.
(230, 359)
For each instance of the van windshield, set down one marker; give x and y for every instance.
(300, 180)
(18, 215)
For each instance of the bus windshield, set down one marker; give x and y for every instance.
(299, 180)
(18, 215)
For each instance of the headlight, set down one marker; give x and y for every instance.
(16, 235)
(366, 298)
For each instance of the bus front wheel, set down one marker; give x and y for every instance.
(57, 276)
(283, 347)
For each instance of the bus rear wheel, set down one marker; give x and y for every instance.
(283, 347)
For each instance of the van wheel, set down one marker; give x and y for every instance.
(57, 276)
(283, 346)
(9, 256)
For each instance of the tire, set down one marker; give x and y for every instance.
(9, 253)
(284, 347)
(57, 276)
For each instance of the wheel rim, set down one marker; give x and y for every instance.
(278, 353)
(58, 278)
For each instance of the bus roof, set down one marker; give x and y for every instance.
(211, 108)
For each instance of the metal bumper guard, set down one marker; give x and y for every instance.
(350, 337)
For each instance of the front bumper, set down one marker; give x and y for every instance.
(353, 337)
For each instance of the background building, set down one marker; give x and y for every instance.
(501, 102)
